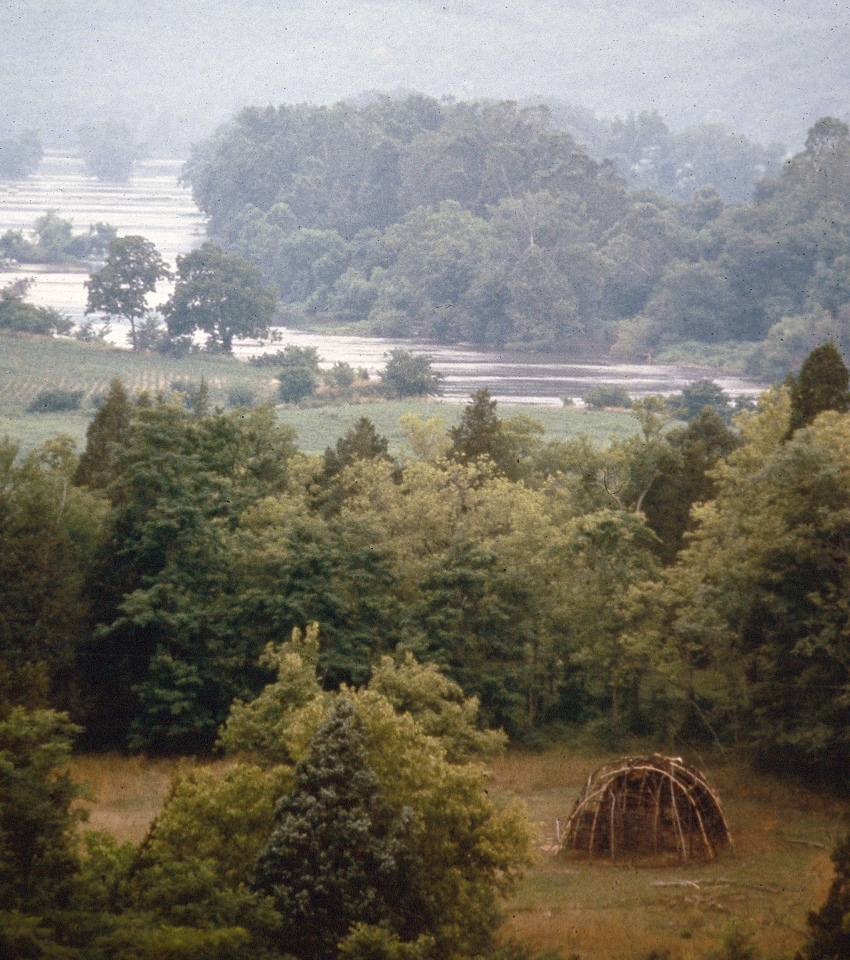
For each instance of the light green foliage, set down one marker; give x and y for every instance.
(261, 726)
(193, 865)
(756, 600)
(467, 847)
(339, 852)
(437, 704)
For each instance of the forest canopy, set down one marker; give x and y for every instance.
(484, 223)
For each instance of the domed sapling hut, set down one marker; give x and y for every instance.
(653, 806)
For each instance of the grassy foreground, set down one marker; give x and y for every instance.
(30, 364)
(779, 871)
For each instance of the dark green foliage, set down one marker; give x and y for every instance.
(22, 317)
(829, 927)
(109, 149)
(597, 398)
(480, 432)
(298, 373)
(324, 572)
(120, 288)
(183, 479)
(407, 375)
(360, 442)
(821, 385)
(55, 401)
(697, 395)
(339, 854)
(242, 398)
(48, 533)
(21, 155)
(220, 294)
(684, 477)
(106, 435)
(477, 621)
(37, 825)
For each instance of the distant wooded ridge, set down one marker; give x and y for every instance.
(485, 223)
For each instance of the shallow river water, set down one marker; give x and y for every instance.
(155, 205)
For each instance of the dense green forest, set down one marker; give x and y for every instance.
(192, 582)
(484, 223)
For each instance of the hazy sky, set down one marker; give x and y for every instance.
(767, 67)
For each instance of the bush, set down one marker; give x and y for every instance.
(407, 375)
(299, 373)
(242, 398)
(56, 401)
(607, 395)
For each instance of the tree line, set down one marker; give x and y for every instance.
(557, 582)
(483, 222)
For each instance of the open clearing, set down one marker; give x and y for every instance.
(30, 364)
(779, 871)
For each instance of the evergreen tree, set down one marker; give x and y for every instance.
(339, 854)
(829, 936)
(109, 431)
(821, 385)
(481, 433)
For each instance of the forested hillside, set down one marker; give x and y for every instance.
(482, 222)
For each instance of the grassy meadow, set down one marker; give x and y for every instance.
(779, 870)
(30, 364)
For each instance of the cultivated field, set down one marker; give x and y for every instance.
(779, 871)
(30, 364)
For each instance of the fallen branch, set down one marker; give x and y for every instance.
(803, 843)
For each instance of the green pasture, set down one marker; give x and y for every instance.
(29, 365)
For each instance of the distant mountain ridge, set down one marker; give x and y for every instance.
(767, 68)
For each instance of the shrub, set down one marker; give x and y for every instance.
(55, 401)
(242, 398)
(607, 395)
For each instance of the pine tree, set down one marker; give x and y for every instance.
(108, 431)
(339, 854)
(479, 432)
(821, 385)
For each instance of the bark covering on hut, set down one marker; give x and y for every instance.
(654, 806)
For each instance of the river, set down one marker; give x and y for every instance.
(156, 205)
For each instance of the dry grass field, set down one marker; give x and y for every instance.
(779, 870)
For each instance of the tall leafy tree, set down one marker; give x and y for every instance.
(37, 822)
(220, 294)
(106, 435)
(339, 854)
(821, 385)
(120, 288)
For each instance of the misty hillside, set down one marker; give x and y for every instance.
(768, 68)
